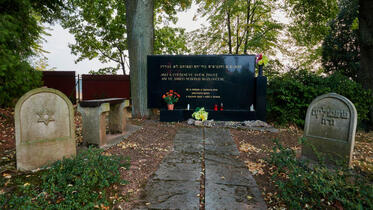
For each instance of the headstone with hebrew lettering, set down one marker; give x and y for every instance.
(329, 129)
(44, 123)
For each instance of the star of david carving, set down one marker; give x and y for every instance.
(45, 116)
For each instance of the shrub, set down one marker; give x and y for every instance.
(290, 94)
(319, 188)
(19, 37)
(78, 183)
(16, 81)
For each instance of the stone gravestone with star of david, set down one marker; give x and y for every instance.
(329, 130)
(44, 123)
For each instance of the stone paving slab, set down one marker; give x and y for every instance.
(230, 197)
(188, 140)
(227, 187)
(179, 167)
(225, 159)
(229, 184)
(217, 150)
(218, 136)
(172, 194)
(219, 141)
(228, 174)
(176, 183)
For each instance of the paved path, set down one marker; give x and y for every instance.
(177, 182)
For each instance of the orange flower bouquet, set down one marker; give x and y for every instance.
(171, 97)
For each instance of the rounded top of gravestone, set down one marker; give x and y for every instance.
(43, 90)
(335, 97)
(43, 112)
(43, 98)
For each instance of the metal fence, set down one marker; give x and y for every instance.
(87, 87)
(63, 81)
(105, 86)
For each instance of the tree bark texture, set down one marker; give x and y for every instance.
(140, 35)
(247, 26)
(229, 32)
(365, 75)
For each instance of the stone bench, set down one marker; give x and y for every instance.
(94, 113)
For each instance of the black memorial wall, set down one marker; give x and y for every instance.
(202, 80)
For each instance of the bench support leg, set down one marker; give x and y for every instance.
(118, 117)
(94, 123)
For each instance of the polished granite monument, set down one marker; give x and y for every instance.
(225, 83)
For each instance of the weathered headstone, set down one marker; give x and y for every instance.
(44, 123)
(330, 129)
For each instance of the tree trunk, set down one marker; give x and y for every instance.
(247, 26)
(140, 35)
(229, 32)
(237, 35)
(122, 63)
(365, 74)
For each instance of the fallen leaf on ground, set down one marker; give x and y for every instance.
(249, 148)
(7, 176)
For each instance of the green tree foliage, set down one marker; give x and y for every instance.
(310, 19)
(308, 27)
(104, 71)
(340, 50)
(290, 94)
(99, 28)
(41, 64)
(236, 27)
(19, 41)
(168, 40)
(100, 31)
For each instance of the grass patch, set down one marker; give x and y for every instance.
(78, 183)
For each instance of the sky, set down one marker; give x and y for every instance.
(60, 56)
(61, 59)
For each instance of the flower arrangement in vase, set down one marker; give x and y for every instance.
(171, 97)
(261, 60)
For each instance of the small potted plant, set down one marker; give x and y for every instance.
(171, 97)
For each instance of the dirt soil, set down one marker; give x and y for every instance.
(255, 147)
(148, 146)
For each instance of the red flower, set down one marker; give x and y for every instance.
(171, 97)
(259, 56)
